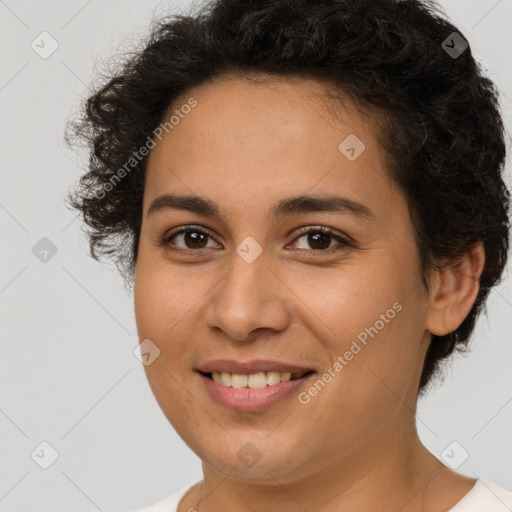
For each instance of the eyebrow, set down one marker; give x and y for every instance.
(283, 208)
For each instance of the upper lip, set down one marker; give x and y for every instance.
(253, 366)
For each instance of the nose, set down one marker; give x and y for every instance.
(250, 297)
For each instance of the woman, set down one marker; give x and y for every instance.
(310, 206)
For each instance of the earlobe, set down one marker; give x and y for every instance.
(453, 291)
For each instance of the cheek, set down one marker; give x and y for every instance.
(382, 362)
(351, 301)
(157, 309)
(373, 318)
(161, 310)
(147, 296)
(159, 298)
(167, 302)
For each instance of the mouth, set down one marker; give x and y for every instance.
(253, 392)
(255, 380)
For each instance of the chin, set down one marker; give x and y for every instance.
(259, 461)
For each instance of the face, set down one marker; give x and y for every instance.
(248, 281)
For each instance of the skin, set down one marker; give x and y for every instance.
(245, 146)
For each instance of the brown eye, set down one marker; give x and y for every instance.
(320, 239)
(194, 239)
(190, 238)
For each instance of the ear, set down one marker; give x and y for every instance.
(453, 292)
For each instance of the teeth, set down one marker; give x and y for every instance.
(254, 380)
(257, 380)
(238, 381)
(273, 378)
(225, 379)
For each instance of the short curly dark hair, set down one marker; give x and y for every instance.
(444, 137)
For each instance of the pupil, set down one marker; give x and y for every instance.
(321, 235)
(194, 236)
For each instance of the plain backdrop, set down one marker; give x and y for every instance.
(69, 377)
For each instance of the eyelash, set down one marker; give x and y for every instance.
(344, 242)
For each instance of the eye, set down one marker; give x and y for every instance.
(194, 238)
(320, 238)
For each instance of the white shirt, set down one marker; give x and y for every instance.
(484, 496)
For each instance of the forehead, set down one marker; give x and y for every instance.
(259, 140)
(268, 106)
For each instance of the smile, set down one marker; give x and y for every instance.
(254, 380)
(253, 392)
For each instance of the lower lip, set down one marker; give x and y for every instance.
(252, 399)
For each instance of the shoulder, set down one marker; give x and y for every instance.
(499, 497)
(167, 504)
(485, 496)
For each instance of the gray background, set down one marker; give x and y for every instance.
(68, 373)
